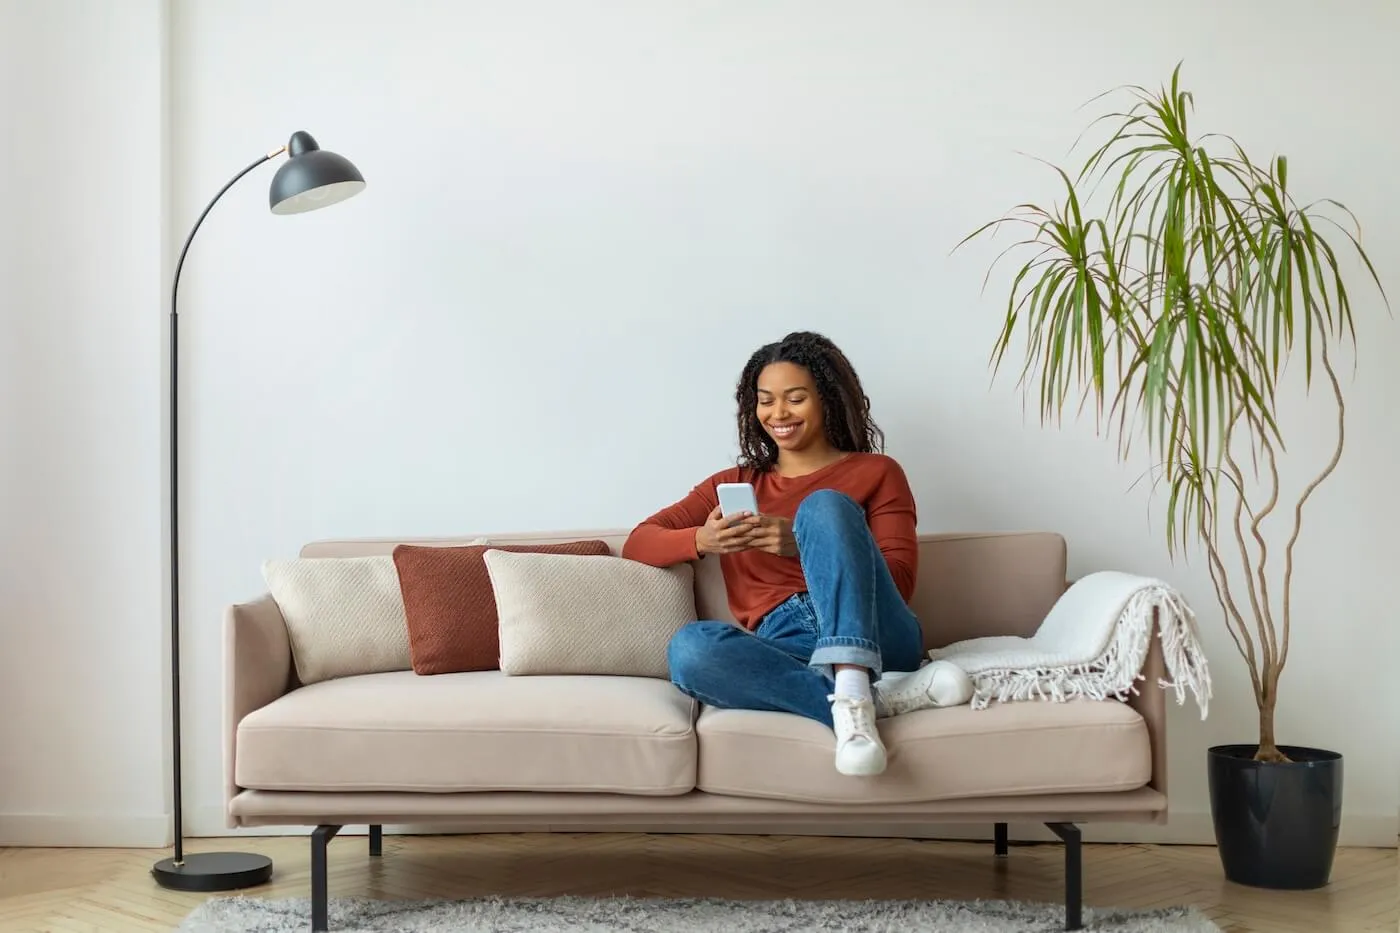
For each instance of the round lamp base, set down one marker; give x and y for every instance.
(213, 871)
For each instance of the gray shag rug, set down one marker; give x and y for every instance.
(241, 914)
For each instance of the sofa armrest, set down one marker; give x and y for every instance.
(257, 670)
(1151, 704)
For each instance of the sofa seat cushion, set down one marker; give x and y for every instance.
(1006, 750)
(472, 731)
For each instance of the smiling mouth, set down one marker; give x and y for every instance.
(784, 430)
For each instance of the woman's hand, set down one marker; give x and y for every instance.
(774, 536)
(720, 535)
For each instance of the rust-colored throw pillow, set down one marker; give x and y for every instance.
(450, 606)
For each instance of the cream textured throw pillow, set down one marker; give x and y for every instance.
(345, 615)
(576, 614)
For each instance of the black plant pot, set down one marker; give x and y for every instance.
(1276, 825)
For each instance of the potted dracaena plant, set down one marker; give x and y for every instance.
(1176, 308)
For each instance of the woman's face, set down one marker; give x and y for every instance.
(789, 408)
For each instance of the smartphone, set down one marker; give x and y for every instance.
(735, 498)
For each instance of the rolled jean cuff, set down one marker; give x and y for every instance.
(843, 650)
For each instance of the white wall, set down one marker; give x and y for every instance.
(582, 217)
(81, 580)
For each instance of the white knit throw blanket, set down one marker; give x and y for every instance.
(1092, 644)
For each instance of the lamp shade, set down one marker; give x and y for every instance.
(312, 178)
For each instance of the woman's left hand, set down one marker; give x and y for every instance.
(774, 536)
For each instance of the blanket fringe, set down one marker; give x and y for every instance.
(1115, 673)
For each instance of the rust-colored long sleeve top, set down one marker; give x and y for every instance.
(757, 581)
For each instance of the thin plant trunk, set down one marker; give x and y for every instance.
(1268, 746)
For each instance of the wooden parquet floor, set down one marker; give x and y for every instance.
(111, 891)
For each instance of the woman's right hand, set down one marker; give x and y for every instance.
(720, 535)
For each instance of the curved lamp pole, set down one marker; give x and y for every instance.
(311, 178)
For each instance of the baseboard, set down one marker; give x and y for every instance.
(1358, 831)
(94, 830)
(1190, 828)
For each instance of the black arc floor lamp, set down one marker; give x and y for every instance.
(311, 178)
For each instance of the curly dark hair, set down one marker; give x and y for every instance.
(845, 406)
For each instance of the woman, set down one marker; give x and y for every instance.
(821, 577)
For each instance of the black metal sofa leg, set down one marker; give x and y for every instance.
(320, 836)
(376, 840)
(1074, 874)
(1000, 840)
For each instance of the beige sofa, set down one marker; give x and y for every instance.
(486, 752)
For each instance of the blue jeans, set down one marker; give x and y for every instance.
(852, 613)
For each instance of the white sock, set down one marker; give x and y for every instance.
(853, 682)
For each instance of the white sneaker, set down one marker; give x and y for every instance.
(859, 751)
(935, 685)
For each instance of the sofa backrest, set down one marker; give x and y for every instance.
(970, 584)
